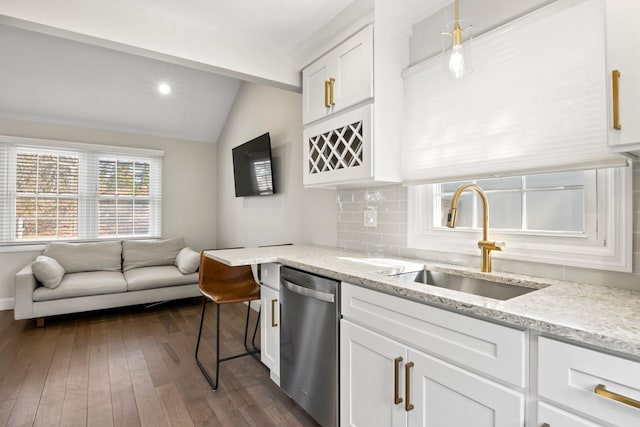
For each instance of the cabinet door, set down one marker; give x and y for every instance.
(623, 42)
(555, 417)
(315, 94)
(270, 331)
(445, 395)
(353, 72)
(368, 380)
(340, 79)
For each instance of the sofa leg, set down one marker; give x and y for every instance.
(40, 322)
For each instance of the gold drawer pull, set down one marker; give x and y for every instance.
(331, 82)
(273, 313)
(326, 94)
(546, 425)
(407, 386)
(396, 373)
(602, 391)
(615, 76)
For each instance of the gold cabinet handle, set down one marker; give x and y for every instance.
(396, 373)
(407, 386)
(331, 82)
(601, 390)
(615, 76)
(326, 94)
(273, 313)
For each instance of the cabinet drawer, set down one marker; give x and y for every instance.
(555, 417)
(487, 348)
(270, 275)
(569, 375)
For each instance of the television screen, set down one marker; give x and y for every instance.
(252, 167)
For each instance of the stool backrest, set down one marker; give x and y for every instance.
(218, 279)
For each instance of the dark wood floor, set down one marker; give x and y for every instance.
(134, 367)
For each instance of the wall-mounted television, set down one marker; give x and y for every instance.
(252, 169)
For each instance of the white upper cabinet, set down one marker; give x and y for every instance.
(339, 79)
(623, 42)
(352, 109)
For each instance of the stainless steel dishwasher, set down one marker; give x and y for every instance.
(309, 343)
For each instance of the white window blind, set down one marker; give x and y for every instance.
(52, 190)
(535, 102)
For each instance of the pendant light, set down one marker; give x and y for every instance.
(456, 46)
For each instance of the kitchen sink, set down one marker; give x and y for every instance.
(469, 285)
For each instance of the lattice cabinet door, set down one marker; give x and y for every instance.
(340, 149)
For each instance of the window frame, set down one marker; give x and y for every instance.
(89, 156)
(13, 191)
(609, 216)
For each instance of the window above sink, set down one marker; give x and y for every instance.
(580, 219)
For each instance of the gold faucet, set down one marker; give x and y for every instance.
(485, 245)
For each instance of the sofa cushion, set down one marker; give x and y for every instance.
(150, 253)
(157, 277)
(83, 284)
(93, 256)
(48, 271)
(188, 261)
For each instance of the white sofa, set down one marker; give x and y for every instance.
(108, 274)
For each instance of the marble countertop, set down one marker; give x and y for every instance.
(599, 316)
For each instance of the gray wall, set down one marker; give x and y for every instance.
(189, 185)
(294, 214)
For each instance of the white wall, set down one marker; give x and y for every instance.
(294, 214)
(189, 185)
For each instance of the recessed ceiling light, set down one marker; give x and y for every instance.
(164, 89)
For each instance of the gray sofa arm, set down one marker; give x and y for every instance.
(25, 282)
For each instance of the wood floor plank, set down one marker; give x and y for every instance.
(201, 413)
(123, 401)
(5, 411)
(147, 400)
(50, 408)
(25, 408)
(136, 366)
(74, 408)
(17, 369)
(174, 407)
(99, 407)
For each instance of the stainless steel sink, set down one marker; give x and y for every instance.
(469, 285)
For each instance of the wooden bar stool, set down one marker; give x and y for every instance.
(222, 284)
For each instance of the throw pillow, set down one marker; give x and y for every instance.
(48, 271)
(188, 261)
(150, 253)
(76, 257)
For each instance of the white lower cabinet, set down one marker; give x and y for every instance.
(368, 383)
(550, 416)
(376, 371)
(388, 381)
(270, 320)
(591, 383)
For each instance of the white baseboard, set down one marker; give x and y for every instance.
(6, 303)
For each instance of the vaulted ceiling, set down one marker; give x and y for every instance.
(75, 68)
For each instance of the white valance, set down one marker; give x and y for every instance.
(535, 102)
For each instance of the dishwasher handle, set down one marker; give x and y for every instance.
(312, 293)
